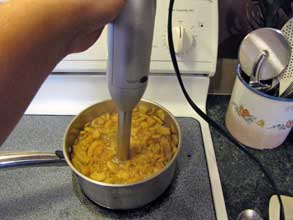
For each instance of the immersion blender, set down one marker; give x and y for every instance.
(130, 38)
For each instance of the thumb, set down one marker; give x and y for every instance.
(84, 41)
(104, 12)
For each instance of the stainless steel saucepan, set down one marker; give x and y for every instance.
(112, 196)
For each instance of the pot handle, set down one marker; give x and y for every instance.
(17, 159)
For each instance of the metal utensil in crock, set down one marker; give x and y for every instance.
(112, 196)
(287, 78)
(263, 55)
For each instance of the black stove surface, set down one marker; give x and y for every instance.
(52, 192)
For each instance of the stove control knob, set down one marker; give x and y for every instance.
(183, 40)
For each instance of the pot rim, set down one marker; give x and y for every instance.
(173, 160)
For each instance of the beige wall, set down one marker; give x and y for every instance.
(223, 81)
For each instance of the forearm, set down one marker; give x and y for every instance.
(28, 53)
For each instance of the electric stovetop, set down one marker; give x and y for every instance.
(52, 192)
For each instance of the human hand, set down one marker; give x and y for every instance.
(95, 15)
(72, 24)
(35, 36)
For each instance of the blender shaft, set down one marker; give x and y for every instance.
(123, 135)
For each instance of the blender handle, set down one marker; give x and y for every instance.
(17, 159)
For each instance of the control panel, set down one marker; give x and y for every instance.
(195, 32)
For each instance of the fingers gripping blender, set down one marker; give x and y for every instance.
(130, 39)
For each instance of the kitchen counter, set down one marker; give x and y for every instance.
(244, 185)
